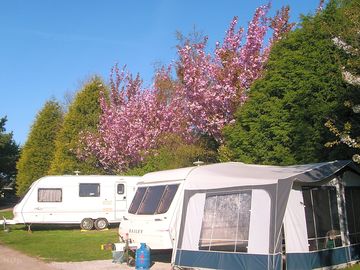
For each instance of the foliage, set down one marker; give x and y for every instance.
(174, 153)
(283, 120)
(83, 115)
(38, 150)
(134, 121)
(9, 154)
(347, 39)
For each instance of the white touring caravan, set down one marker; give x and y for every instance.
(154, 211)
(240, 216)
(91, 200)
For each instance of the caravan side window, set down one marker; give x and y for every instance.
(322, 217)
(49, 195)
(89, 190)
(352, 202)
(226, 221)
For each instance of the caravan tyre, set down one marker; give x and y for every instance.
(87, 224)
(101, 223)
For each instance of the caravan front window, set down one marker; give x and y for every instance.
(166, 199)
(137, 200)
(153, 200)
(226, 221)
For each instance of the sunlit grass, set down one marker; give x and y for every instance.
(58, 244)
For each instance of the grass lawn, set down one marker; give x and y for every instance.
(58, 244)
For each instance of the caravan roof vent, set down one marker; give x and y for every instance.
(198, 163)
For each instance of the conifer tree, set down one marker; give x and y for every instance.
(283, 120)
(9, 153)
(38, 150)
(83, 115)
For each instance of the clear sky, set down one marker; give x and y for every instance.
(49, 47)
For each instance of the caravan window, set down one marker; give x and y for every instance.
(153, 200)
(120, 189)
(166, 199)
(322, 217)
(89, 190)
(137, 200)
(225, 225)
(49, 195)
(352, 202)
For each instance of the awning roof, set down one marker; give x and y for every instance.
(228, 174)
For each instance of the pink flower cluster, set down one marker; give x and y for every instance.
(131, 122)
(203, 100)
(213, 86)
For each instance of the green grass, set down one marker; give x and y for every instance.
(59, 244)
(6, 214)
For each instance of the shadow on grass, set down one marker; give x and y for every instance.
(54, 227)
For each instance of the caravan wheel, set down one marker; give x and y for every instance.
(101, 223)
(87, 224)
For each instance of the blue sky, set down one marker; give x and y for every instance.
(49, 47)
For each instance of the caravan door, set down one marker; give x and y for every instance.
(120, 199)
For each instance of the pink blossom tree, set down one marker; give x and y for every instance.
(202, 100)
(131, 123)
(213, 86)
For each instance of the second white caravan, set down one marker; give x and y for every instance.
(88, 200)
(153, 214)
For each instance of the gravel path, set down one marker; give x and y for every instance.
(14, 260)
(11, 259)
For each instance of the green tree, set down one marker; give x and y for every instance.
(174, 153)
(9, 153)
(38, 150)
(83, 115)
(283, 120)
(347, 39)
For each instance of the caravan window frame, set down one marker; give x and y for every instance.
(236, 238)
(51, 198)
(85, 193)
